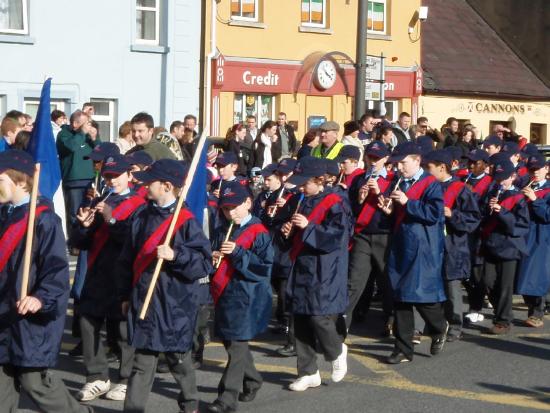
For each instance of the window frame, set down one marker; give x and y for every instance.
(112, 117)
(316, 25)
(60, 104)
(155, 9)
(25, 30)
(241, 18)
(372, 31)
(259, 121)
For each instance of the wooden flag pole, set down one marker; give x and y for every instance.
(30, 233)
(181, 199)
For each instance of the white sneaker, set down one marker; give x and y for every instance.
(340, 365)
(305, 382)
(117, 393)
(93, 390)
(475, 317)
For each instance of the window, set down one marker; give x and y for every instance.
(376, 22)
(147, 21)
(314, 13)
(104, 115)
(538, 133)
(392, 112)
(244, 10)
(31, 106)
(261, 106)
(13, 16)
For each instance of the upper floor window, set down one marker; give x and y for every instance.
(377, 16)
(244, 10)
(13, 17)
(105, 116)
(147, 21)
(314, 13)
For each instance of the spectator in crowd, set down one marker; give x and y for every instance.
(9, 129)
(18, 116)
(58, 119)
(94, 130)
(402, 129)
(504, 133)
(309, 141)
(367, 124)
(177, 130)
(73, 144)
(386, 135)
(329, 147)
(232, 143)
(22, 140)
(423, 128)
(351, 137)
(124, 140)
(89, 109)
(266, 147)
(251, 131)
(28, 123)
(189, 124)
(143, 127)
(450, 132)
(467, 142)
(287, 136)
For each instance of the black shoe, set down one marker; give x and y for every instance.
(162, 367)
(219, 407)
(76, 351)
(248, 396)
(454, 336)
(397, 357)
(287, 351)
(437, 345)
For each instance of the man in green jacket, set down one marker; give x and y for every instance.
(73, 144)
(142, 133)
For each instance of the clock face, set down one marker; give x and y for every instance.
(325, 77)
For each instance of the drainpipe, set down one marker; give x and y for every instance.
(207, 121)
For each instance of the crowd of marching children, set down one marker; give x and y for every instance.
(322, 230)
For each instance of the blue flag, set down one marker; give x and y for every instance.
(196, 197)
(42, 146)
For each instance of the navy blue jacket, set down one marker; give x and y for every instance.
(170, 320)
(380, 223)
(534, 269)
(34, 340)
(507, 241)
(98, 297)
(474, 238)
(416, 252)
(465, 220)
(318, 281)
(244, 309)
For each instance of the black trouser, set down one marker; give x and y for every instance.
(454, 305)
(535, 306)
(431, 313)
(143, 375)
(282, 312)
(95, 358)
(73, 197)
(499, 279)
(200, 332)
(327, 330)
(475, 288)
(45, 389)
(240, 373)
(367, 264)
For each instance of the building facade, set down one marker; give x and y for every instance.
(298, 57)
(123, 56)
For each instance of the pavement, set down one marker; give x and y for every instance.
(477, 374)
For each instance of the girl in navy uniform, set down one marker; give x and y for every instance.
(462, 217)
(534, 269)
(317, 232)
(170, 320)
(241, 291)
(31, 329)
(503, 232)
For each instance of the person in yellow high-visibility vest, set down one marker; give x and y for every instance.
(329, 146)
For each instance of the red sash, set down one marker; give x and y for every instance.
(461, 173)
(142, 192)
(316, 216)
(541, 193)
(414, 193)
(451, 194)
(348, 179)
(120, 213)
(224, 273)
(148, 251)
(13, 236)
(523, 171)
(509, 203)
(481, 187)
(370, 206)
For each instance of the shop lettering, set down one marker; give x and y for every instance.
(495, 108)
(270, 79)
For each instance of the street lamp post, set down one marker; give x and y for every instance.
(361, 59)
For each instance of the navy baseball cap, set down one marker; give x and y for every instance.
(102, 151)
(269, 170)
(510, 147)
(348, 152)
(478, 155)
(455, 151)
(536, 161)
(426, 144)
(226, 158)
(306, 168)
(503, 169)
(377, 149)
(499, 156)
(115, 165)
(164, 170)
(332, 167)
(139, 158)
(233, 194)
(17, 160)
(286, 166)
(439, 156)
(403, 150)
(529, 149)
(492, 140)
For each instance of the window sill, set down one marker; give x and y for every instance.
(18, 39)
(146, 48)
(244, 23)
(374, 36)
(319, 30)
